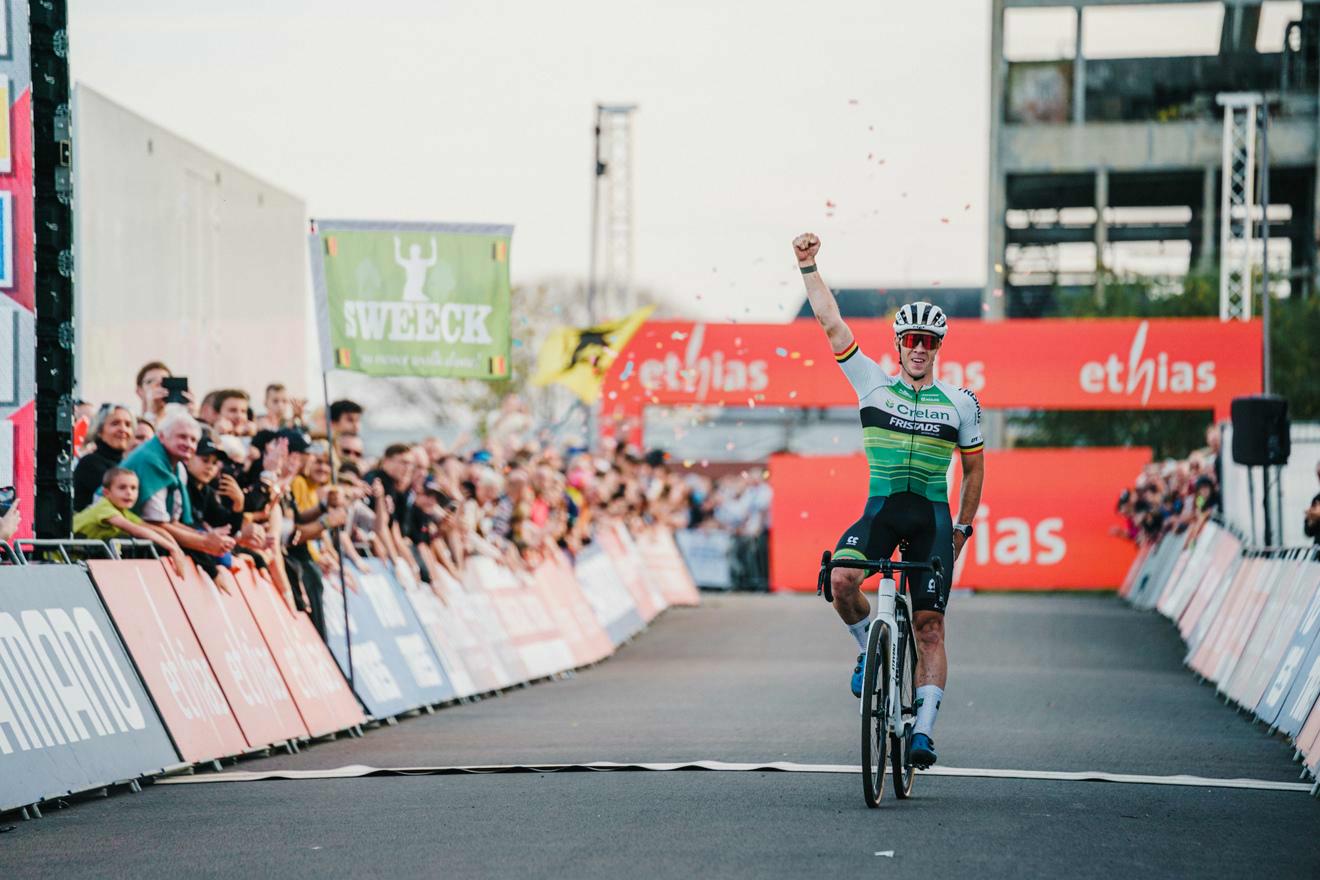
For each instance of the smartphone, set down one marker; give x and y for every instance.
(7, 495)
(176, 386)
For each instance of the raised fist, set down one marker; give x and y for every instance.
(805, 247)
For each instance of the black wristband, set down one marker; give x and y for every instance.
(807, 270)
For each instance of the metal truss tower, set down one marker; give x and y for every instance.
(1238, 206)
(609, 290)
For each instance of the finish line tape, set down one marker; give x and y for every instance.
(358, 771)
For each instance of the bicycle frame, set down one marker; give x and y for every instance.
(885, 613)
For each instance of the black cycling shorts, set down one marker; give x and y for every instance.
(922, 527)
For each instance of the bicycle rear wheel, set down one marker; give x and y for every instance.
(875, 714)
(901, 739)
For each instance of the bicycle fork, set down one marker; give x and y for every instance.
(886, 600)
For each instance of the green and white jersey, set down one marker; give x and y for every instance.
(910, 435)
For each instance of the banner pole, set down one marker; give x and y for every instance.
(335, 532)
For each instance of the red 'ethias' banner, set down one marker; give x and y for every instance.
(1044, 521)
(1128, 363)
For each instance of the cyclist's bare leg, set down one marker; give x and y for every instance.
(932, 664)
(848, 599)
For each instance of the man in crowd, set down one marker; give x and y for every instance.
(394, 473)
(348, 447)
(345, 417)
(281, 410)
(163, 500)
(150, 392)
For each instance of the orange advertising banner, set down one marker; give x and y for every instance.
(616, 543)
(1044, 521)
(319, 690)
(1096, 364)
(554, 580)
(242, 662)
(140, 599)
(667, 567)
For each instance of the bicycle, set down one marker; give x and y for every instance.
(889, 669)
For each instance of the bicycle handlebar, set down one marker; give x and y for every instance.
(886, 567)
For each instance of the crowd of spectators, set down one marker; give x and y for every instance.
(1172, 495)
(212, 480)
(739, 505)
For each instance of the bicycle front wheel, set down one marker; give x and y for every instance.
(875, 714)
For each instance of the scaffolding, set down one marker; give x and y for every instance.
(609, 289)
(1238, 205)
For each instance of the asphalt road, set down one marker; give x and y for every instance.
(1050, 683)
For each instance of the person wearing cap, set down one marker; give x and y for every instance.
(215, 496)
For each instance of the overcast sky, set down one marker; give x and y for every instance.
(755, 116)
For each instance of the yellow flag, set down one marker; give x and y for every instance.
(579, 358)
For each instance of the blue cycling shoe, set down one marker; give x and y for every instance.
(923, 751)
(857, 676)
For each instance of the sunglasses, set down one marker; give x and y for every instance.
(350, 453)
(911, 340)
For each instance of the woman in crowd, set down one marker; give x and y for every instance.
(112, 438)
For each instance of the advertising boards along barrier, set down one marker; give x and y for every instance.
(73, 712)
(577, 622)
(434, 617)
(661, 558)
(176, 671)
(1048, 531)
(533, 631)
(602, 584)
(1256, 632)
(618, 545)
(394, 668)
(240, 658)
(467, 632)
(322, 696)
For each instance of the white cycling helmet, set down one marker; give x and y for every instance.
(921, 316)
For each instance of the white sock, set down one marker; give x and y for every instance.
(858, 631)
(928, 703)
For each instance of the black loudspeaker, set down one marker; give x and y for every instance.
(1260, 430)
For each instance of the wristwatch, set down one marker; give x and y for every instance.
(964, 528)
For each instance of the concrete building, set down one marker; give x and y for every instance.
(1092, 160)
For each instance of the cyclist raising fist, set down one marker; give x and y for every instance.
(911, 425)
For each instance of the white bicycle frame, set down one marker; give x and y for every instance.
(886, 605)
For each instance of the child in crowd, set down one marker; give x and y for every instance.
(111, 516)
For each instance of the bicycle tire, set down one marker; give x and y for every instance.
(901, 742)
(875, 718)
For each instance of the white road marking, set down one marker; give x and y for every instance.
(352, 771)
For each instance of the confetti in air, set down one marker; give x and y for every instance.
(627, 371)
(677, 336)
(782, 352)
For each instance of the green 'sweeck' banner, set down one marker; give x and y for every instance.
(412, 299)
